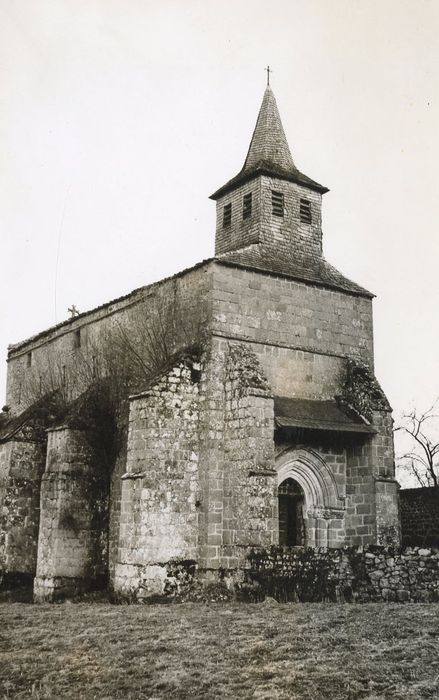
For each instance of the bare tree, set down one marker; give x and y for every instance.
(422, 459)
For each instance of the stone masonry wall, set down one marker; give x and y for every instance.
(300, 331)
(160, 490)
(250, 507)
(297, 373)
(73, 536)
(299, 574)
(372, 493)
(332, 448)
(21, 466)
(420, 516)
(237, 480)
(349, 574)
(115, 506)
(171, 311)
(180, 304)
(211, 454)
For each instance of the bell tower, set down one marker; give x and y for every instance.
(270, 204)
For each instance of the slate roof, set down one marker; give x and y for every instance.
(305, 268)
(319, 415)
(269, 153)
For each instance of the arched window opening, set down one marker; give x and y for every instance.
(291, 522)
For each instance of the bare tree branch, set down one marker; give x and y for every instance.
(423, 430)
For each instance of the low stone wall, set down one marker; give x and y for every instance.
(349, 574)
(420, 516)
(299, 574)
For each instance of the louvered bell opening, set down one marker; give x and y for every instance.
(247, 206)
(305, 211)
(277, 202)
(227, 215)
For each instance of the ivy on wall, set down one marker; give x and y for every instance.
(362, 391)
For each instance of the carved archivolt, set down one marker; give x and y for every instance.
(322, 498)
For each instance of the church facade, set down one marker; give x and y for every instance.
(230, 407)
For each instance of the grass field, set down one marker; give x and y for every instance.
(265, 650)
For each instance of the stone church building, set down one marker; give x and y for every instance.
(232, 406)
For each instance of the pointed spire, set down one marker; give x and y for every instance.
(269, 153)
(269, 146)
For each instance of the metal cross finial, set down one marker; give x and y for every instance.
(268, 69)
(73, 311)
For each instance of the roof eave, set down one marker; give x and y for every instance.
(330, 426)
(244, 176)
(21, 346)
(358, 292)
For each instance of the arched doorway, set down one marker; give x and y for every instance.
(291, 522)
(314, 500)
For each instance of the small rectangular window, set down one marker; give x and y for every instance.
(305, 211)
(227, 215)
(77, 339)
(277, 201)
(247, 206)
(29, 359)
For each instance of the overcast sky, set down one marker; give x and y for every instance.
(118, 118)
